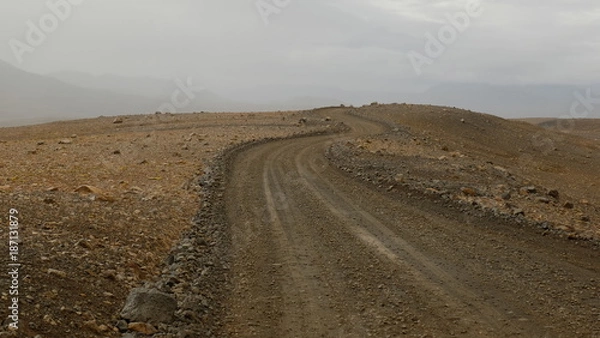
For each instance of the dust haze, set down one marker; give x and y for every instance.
(75, 58)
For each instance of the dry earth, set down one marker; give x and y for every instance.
(402, 241)
(503, 167)
(421, 221)
(101, 202)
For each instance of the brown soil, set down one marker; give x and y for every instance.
(82, 251)
(500, 166)
(420, 221)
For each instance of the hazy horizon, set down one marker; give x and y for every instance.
(249, 50)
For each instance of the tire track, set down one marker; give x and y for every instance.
(317, 254)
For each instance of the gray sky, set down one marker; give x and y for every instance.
(351, 44)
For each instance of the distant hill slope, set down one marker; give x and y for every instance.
(509, 101)
(30, 97)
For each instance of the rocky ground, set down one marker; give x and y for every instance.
(101, 204)
(485, 164)
(111, 204)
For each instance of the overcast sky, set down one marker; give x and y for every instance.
(350, 44)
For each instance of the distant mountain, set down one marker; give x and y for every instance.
(147, 87)
(258, 98)
(509, 101)
(27, 97)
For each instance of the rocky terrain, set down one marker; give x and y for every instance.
(103, 201)
(127, 229)
(484, 164)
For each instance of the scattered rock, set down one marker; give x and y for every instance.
(149, 305)
(118, 120)
(49, 200)
(92, 325)
(144, 328)
(502, 170)
(528, 190)
(65, 141)
(58, 273)
(122, 326)
(399, 178)
(97, 192)
(518, 212)
(568, 205)
(469, 191)
(543, 200)
(553, 193)
(48, 319)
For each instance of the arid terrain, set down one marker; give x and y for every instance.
(101, 203)
(384, 221)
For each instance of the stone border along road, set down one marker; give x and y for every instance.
(197, 272)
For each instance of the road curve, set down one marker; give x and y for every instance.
(316, 253)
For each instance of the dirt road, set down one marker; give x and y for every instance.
(319, 254)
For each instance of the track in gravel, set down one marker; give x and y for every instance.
(319, 254)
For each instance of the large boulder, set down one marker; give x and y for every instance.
(149, 305)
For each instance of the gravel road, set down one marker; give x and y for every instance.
(316, 253)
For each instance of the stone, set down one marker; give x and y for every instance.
(518, 212)
(149, 305)
(93, 326)
(99, 193)
(58, 273)
(543, 200)
(469, 191)
(65, 141)
(553, 193)
(144, 328)
(528, 190)
(122, 326)
(118, 120)
(399, 178)
(568, 205)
